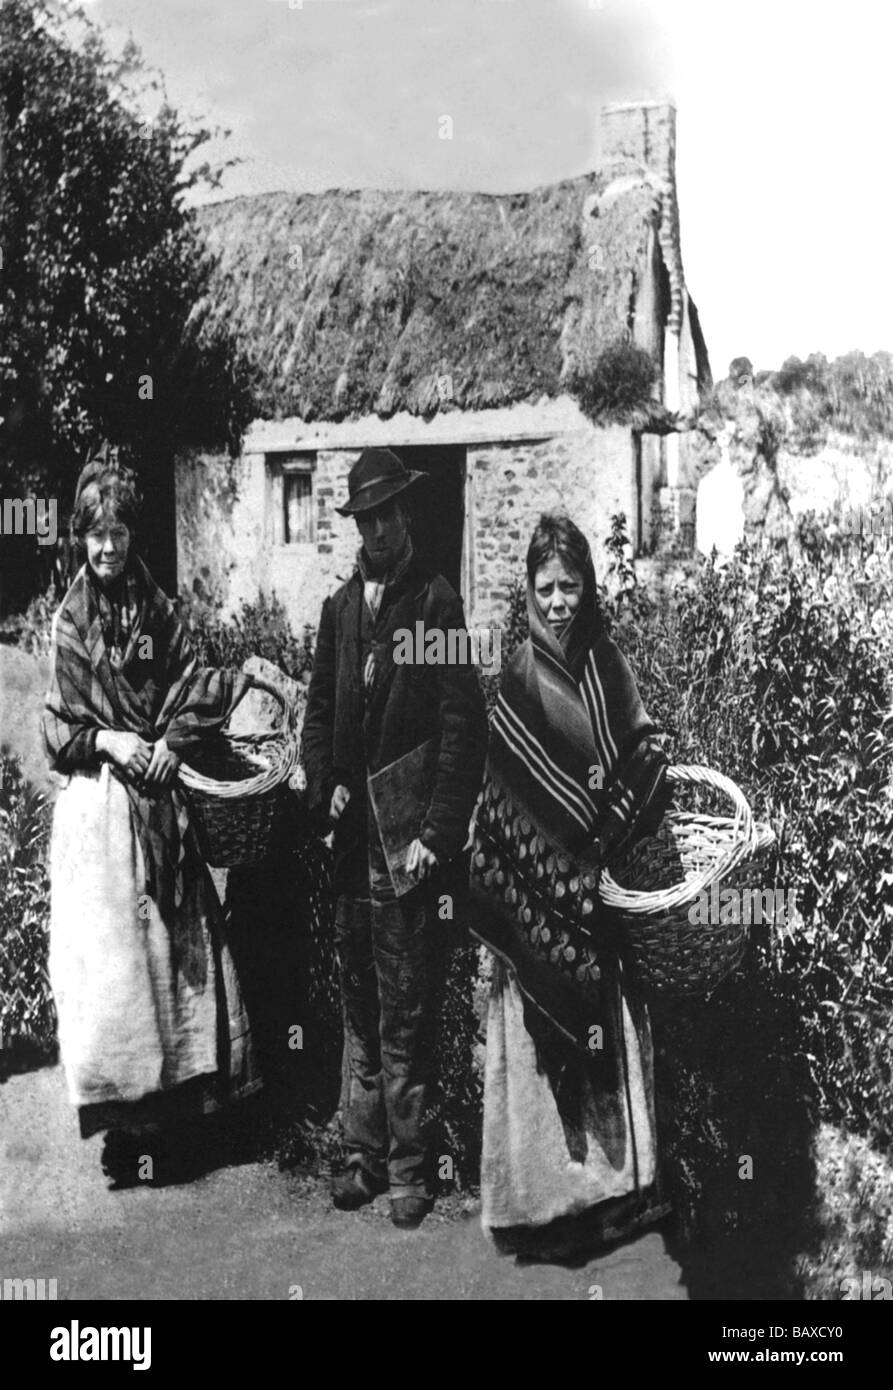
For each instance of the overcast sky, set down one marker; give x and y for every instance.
(784, 125)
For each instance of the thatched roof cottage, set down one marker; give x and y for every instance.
(527, 351)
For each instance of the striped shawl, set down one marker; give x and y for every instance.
(575, 773)
(152, 686)
(571, 741)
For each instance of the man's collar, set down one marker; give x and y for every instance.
(391, 576)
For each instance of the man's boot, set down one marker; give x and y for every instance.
(410, 1212)
(354, 1187)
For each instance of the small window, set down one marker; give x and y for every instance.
(297, 500)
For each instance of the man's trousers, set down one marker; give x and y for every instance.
(392, 965)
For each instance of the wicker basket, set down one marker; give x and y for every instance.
(235, 815)
(675, 957)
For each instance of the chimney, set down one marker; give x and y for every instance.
(641, 136)
(641, 133)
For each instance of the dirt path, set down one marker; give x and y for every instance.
(250, 1232)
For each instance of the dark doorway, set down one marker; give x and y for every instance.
(438, 506)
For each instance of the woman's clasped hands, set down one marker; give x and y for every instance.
(143, 764)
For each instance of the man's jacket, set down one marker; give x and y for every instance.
(350, 731)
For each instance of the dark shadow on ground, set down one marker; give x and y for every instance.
(281, 930)
(736, 1126)
(24, 1055)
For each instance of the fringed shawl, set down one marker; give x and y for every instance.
(152, 686)
(575, 772)
(570, 738)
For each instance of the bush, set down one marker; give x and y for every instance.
(619, 384)
(259, 629)
(35, 626)
(27, 1012)
(855, 1217)
(513, 632)
(776, 671)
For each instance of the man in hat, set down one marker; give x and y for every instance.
(366, 712)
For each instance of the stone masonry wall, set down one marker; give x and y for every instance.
(230, 550)
(303, 575)
(589, 474)
(216, 551)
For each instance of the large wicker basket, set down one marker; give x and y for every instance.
(235, 811)
(674, 956)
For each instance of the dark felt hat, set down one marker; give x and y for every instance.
(376, 477)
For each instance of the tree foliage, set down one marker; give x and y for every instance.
(102, 263)
(852, 394)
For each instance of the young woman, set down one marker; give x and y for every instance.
(152, 1029)
(574, 775)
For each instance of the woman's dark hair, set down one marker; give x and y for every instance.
(108, 494)
(556, 534)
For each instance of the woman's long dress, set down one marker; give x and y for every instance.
(555, 1145)
(152, 1027)
(569, 1125)
(145, 1006)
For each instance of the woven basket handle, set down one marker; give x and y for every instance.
(744, 842)
(691, 772)
(288, 713)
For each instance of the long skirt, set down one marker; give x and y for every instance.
(554, 1144)
(151, 1018)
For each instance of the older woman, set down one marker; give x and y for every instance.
(152, 1030)
(574, 775)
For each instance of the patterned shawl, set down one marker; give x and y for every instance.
(574, 774)
(122, 660)
(570, 739)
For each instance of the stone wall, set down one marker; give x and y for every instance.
(590, 475)
(303, 575)
(229, 542)
(214, 553)
(229, 517)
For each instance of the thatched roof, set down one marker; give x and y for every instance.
(350, 303)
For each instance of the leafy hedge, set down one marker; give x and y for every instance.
(258, 629)
(777, 671)
(27, 1012)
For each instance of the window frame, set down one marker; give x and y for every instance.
(281, 467)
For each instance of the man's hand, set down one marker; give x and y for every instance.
(127, 751)
(420, 861)
(163, 767)
(340, 798)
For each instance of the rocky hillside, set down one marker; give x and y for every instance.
(813, 436)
